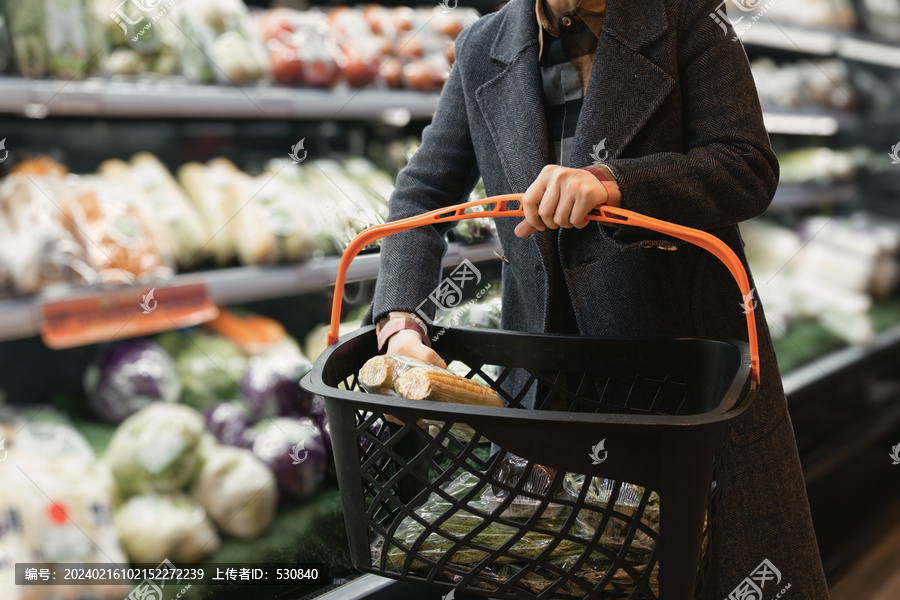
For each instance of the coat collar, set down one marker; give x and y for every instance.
(634, 24)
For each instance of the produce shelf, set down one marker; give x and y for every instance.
(821, 373)
(21, 317)
(174, 98)
(790, 197)
(814, 42)
(788, 37)
(809, 121)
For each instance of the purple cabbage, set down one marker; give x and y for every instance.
(294, 450)
(129, 376)
(317, 413)
(272, 386)
(228, 422)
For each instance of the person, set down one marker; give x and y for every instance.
(646, 105)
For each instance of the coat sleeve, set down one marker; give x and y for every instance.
(441, 173)
(728, 172)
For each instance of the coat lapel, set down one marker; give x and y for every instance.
(512, 101)
(625, 87)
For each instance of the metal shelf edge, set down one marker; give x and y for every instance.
(171, 98)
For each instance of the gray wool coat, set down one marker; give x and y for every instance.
(673, 98)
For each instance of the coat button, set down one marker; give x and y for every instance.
(566, 21)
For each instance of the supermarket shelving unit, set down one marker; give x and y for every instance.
(845, 406)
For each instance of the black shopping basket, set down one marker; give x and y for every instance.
(606, 489)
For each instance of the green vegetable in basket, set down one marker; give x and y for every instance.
(530, 544)
(495, 535)
(626, 503)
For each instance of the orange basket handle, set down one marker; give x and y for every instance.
(601, 214)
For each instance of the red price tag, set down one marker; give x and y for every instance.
(119, 314)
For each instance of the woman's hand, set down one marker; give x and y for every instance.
(560, 197)
(409, 343)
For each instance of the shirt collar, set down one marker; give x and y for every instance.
(589, 11)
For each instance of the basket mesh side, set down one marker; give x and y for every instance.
(439, 510)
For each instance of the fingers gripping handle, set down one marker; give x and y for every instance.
(602, 214)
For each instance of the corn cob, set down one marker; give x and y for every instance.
(441, 386)
(378, 375)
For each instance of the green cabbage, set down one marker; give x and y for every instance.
(156, 449)
(237, 490)
(155, 527)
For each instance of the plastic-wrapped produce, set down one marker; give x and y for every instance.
(55, 38)
(155, 527)
(174, 220)
(206, 186)
(128, 377)
(56, 507)
(220, 42)
(135, 48)
(237, 490)
(120, 246)
(272, 225)
(156, 449)
(55, 502)
(36, 247)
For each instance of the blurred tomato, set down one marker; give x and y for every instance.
(417, 76)
(392, 72)
(320, 72)
(287, 68)
(359, 69)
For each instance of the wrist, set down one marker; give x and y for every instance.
(400, 322)
(611, 186)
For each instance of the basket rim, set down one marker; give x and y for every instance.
(741, 385)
